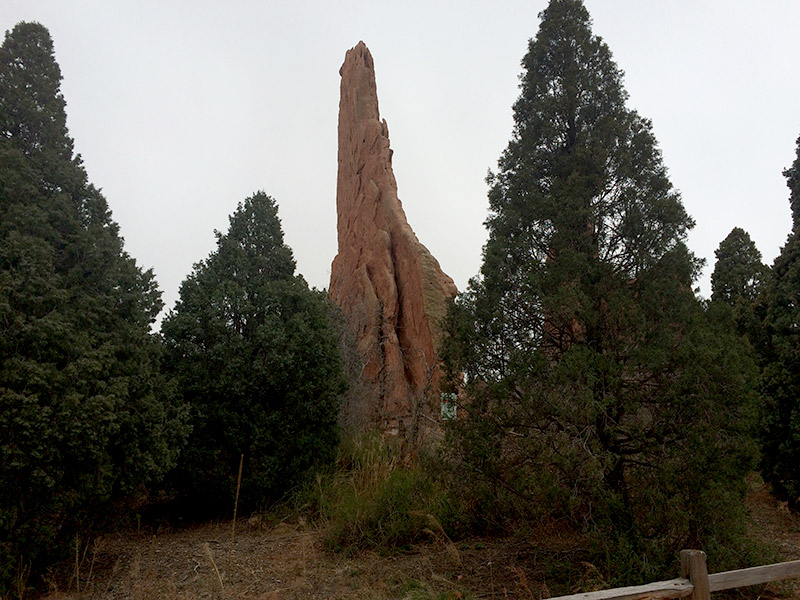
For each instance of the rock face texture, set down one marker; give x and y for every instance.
(390, 288)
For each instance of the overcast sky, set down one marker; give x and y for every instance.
(181, 110)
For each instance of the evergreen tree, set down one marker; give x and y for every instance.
(594, 378)
(83, 418)
(781, 374)
(792, 175)
(737, 288)
(256, 358)
(739, 274)
(32, 108)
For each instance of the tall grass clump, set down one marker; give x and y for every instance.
(372, 499)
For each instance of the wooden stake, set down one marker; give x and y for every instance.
(694, 568)
(235, 508)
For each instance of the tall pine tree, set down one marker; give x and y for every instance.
(83, 413)
(593, 379)
(781, 375)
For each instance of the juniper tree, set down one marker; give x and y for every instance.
(737, 287)
(593, 378)
(256, 358)
(781, 375)
(84, 417)
(738, 272)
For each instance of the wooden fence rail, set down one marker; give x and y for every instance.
(696, 582)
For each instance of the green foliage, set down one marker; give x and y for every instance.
(597, 388)
(412, 589)
(368, 502)
(739, 274)
(255, 356)
(792, 175)
(32, 108)
(386, 520)
(738, 285)
(85, 415)
(781, 374)
(373, 500)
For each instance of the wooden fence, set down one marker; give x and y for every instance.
(695, 581)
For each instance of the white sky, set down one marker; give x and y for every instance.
(182, 109)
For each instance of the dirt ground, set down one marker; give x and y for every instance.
(289, 561)
(773, 522)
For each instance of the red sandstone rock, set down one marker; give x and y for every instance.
(391, 289)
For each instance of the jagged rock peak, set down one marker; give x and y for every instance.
(392, 291)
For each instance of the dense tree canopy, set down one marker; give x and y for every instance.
(256, 358)
(83, 412)
(781, 375)
(593, 376)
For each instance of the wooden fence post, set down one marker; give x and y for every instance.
(693, 567)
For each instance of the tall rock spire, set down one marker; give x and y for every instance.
(391, 289)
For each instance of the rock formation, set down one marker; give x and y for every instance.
(390, 288)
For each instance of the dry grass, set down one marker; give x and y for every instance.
(771, 521)
(289, 561)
